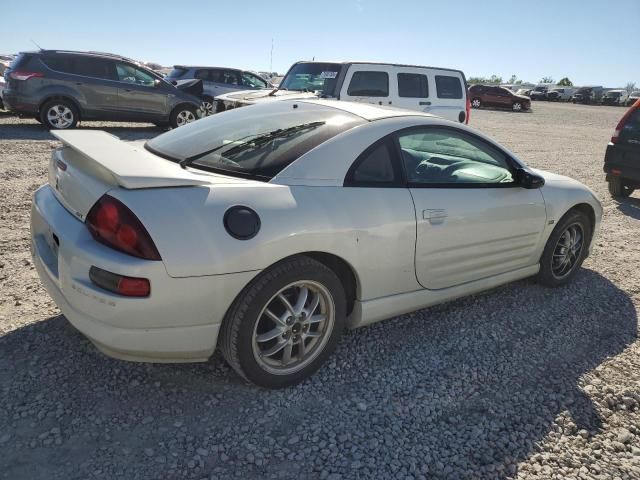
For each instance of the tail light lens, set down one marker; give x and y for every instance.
(113, 224)
(468, 108)
(623, 120)
(24, 75)
(125, 286)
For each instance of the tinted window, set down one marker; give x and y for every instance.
(369, 84)
(313, 77)
(373, 168)
(257, 142)
(448, 87)
(202, 74)
(447, 156)
(253, 81)
(631, 128)
(413, 85)
(130, 74)
(59, 63)
(94, 67)
(177, 72)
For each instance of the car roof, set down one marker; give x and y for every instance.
(365, 62)
(86, 54)
(189, 67)
(366, 111)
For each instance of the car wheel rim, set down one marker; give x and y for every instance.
(517, 107)
(293, 327)
(60, 116)
(207, 107)
(185, 117)
(476, 103)
(567, 251)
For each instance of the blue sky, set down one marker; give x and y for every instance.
(591, 42)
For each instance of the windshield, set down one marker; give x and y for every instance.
(612, 94)
(257, 141)
(311, 77)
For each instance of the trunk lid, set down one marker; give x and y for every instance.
(91, 163)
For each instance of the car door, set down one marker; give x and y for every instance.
(139, 95)
(369, 84)
(473, 220)
(450, 100)
(208, 85)
(413, 89)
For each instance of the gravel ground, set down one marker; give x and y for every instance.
(520, 382)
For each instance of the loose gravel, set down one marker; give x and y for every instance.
(521, 382)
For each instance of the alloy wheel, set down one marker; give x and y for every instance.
(208, 108)
(293, 327)
(60, 116)
(567, 251)
(517, 107)
(475, 103)
(184, 117)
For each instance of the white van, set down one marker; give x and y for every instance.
(440, 91)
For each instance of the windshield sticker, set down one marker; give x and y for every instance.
(328, 74)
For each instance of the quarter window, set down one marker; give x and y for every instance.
(369, 84)
(448, 87)
(374, 168)
(413, 85)
(59, 63)
(443, 156)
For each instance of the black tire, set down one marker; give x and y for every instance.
(38, 119)
(236, 333)
(161, 125)
(476, 103)
(69, 118)
(547, 276)
(181, 115)
(617, 188)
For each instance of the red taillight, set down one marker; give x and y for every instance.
(125, 286)
(113, 224)
(468, 108)
(24, 75)
(623, 120)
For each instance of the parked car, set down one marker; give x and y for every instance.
(633, 98)
(615, 97)
(218, 81)
(587, 95)
(303, 218)
(539, 92)
(2, 85)
(440, 91)
(60, 88)
(622, 159)
(492, 96)
(560, 94)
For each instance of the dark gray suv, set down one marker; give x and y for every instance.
(59, 88)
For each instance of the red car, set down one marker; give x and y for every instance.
(493, 96)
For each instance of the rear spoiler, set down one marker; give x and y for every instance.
(129, 164)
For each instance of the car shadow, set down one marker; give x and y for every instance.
(27, 129)
(629, 206)
(477, 382)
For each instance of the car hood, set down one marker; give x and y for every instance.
(255, 96)
(191, 87)
(522, 97)
(554, 178)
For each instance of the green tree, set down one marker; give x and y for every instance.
(546, 80)
(513, 79)
(565, 82)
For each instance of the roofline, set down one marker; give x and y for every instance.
(205, 66)
(338, 106)
(89, 52)
(358, 62)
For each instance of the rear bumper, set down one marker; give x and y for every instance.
(178, 322)
(624, 160)
(19, 103)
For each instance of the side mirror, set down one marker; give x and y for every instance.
(528, 179)
(157, 83)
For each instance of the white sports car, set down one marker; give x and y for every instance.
(267, 230)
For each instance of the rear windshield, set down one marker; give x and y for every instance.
(612, 94)
(448, 87)
(177, 72)
(312, 77)
(257, 141)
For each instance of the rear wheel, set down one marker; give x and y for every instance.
(476, 103)
(59, 114)
(285, 323)
(516, 107)
(182, 115)
(566, 249)
(617, 188)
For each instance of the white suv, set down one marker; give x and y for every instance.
(440, 91)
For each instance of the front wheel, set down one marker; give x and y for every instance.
(182, 115)
(208, 106)
(476, 103)
(285, 323)
(618, 189)
(566, 249)
(516, 107)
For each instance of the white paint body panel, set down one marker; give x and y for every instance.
(401, 261)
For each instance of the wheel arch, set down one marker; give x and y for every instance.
(588, 210)
(58, 96)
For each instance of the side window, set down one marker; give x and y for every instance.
(448, 87)
(443, 156)
(59, 63)
(252, 81)
(369, 84)
(374, 168)
(413, 85)
(94, 67)
(230, 77)
(130, 74)
(216, 76)
(202, 74)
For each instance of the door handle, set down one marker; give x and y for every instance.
(389, 102)
(434, 215)
(78, 83)
(424, 103)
